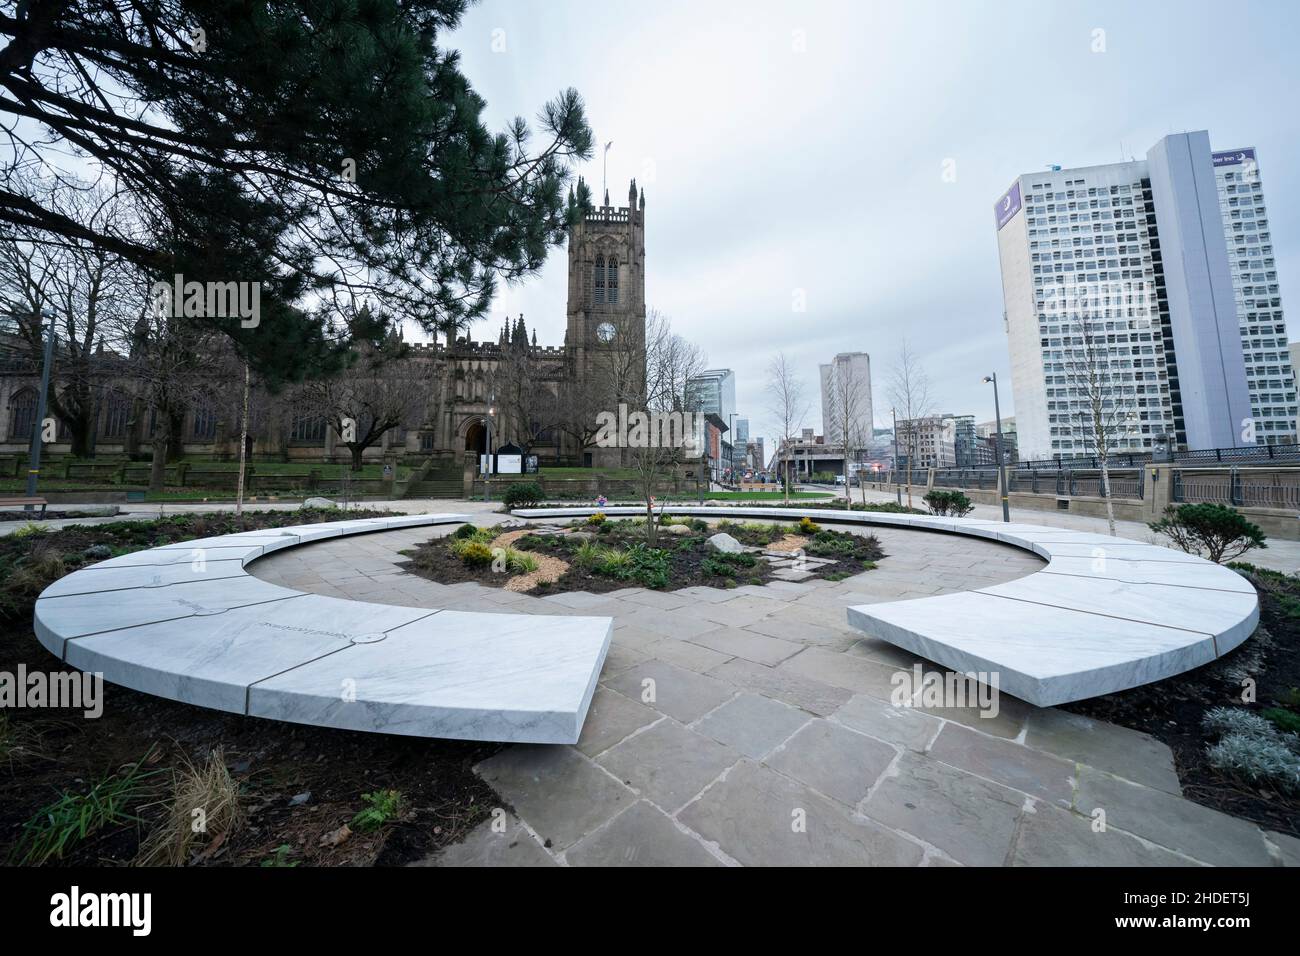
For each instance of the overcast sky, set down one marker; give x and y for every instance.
(791, 146)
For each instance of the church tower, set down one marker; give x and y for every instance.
(606, 314)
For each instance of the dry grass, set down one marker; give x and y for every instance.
(204, 813)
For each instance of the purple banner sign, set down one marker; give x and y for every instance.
(1008, 205)
(1234, 157)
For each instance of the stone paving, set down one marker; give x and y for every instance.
(752, 727)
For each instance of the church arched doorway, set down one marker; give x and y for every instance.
(476, 438)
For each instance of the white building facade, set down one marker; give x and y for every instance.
(1133, 259)
(849, 373)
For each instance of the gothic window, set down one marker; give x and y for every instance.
(205, 423)
(598, 291)
(307, 430)
(611, 284)
(22, 415)
(116, 411)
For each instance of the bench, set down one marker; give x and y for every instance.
(13, 502)
(187, 622)
(1104, 615)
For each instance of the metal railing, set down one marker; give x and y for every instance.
(1269, 490)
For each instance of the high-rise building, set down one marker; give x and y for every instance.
(714, 392)
(1270, 368)
(1125, 268)
(740, 443)
(846, 379)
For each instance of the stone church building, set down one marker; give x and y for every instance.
(605, 328)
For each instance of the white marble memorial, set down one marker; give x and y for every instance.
(1104, 615)
(187, 622)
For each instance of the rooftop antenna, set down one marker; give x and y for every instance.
(604, 177)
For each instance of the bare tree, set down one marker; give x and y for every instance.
(909, 391)
(849, 402)
(380, 391)
(527, 385)
(674, 428)
(1108, 407)
(788, 405)
(85, 290)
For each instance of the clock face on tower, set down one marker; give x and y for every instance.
(605, 332)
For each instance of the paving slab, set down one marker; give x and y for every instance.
(681, 694)
(971, 820)
(1172, 822)
(488, 846)
(561, 793)
(1050, 836)
(857, 674)
(1006, 762)
(611, 718)
(691, 656)
(903, 726)
(810, 695)
(743, 642)
(752, 724)
(668, 763)
(1117, 750)
(759, 817)
(641, 835)
(833, 760)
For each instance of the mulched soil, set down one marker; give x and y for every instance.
(44, 752)
(1172, 710)
(36, 517)
(689, 566)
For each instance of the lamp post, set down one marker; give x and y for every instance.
(898, 489)
(487, 474)
(997, 446)
(34, 453)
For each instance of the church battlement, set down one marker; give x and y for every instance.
(609, 214)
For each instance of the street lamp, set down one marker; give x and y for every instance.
(898, 489)
(997, 446)
(34, 454)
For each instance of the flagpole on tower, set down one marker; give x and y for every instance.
(604, 176)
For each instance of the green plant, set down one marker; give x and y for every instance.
(1251, 747)
(519, 562)
(726, 565)
(953, 503)
(280, 858)
(1215, 531)
(1284, 720)
(60, 825)
(808, 526)
(648, 566)
(597, 518)
(382, 807)
(465, 531)
(522, 494)
(475, 554)
(29, 529)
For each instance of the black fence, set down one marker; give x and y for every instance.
(1283, 455)
(1062, 482)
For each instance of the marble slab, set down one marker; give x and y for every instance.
(187, 622)
(461, 675)
(1104, 614)
(1042, 654)
(212, 660)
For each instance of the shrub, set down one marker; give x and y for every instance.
(1251, 747)
(465, 531)
(649, 566)
(808, 526)
(522, 494)
(1214, 531)
(1284, 720)
(597, 518)
(828, 544)
(727, 565)
(475, 554)
(519, 562)
(950, 503)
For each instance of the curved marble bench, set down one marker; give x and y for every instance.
(1104, 615)
(186, 621)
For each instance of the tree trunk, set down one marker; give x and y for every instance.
(175, 426)
(785, 485)
(158, 466)
(82, 431)
(1105, 490)
(848, 489)
(357, 451)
